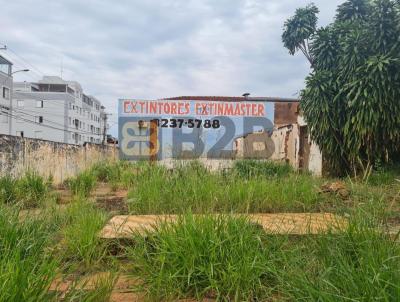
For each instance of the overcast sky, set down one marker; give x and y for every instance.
(158, 48)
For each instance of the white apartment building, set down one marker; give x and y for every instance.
(6, 84)
(57, 110)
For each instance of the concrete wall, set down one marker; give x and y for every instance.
(285, 147)
(17, 155)
(315, 165)
(286, 142)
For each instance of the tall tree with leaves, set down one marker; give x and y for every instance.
(351, 101)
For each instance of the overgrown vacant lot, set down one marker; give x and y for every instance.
(50, 248)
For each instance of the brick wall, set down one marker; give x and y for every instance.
(285, 113)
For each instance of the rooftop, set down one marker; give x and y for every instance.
(232, 99)
(3, 60)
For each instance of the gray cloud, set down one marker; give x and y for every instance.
(152, 49)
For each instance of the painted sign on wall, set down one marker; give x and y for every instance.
(160, 129)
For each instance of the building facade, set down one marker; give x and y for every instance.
(57, 110)
(6, 86)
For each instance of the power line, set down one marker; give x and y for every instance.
(42, 112)
(29, 121)
(32, 122)
(58, 124)
(23, 60)
(44, 125)
(18, 62)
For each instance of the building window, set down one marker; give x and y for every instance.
(20, 133)
(20, 104)
(39, 104)
(70, 121)
(6, 93)
(39, 119)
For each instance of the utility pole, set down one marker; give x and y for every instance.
(105, 128)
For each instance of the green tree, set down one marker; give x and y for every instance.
(351, 101)
(299, 29)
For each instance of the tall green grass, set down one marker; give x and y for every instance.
(232, 260)
(101, 291)
(81, 243)
(360, 264)
(256, 168)
(83, 184)
(8, 190)
(209, 256)
(27, 267)
(384, 176)
(192, 187)
(117, 174)
(30, 190)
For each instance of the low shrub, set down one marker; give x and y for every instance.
(206, 256)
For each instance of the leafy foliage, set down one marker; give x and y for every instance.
(351, 100)
(353, 10)
(299, 28)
